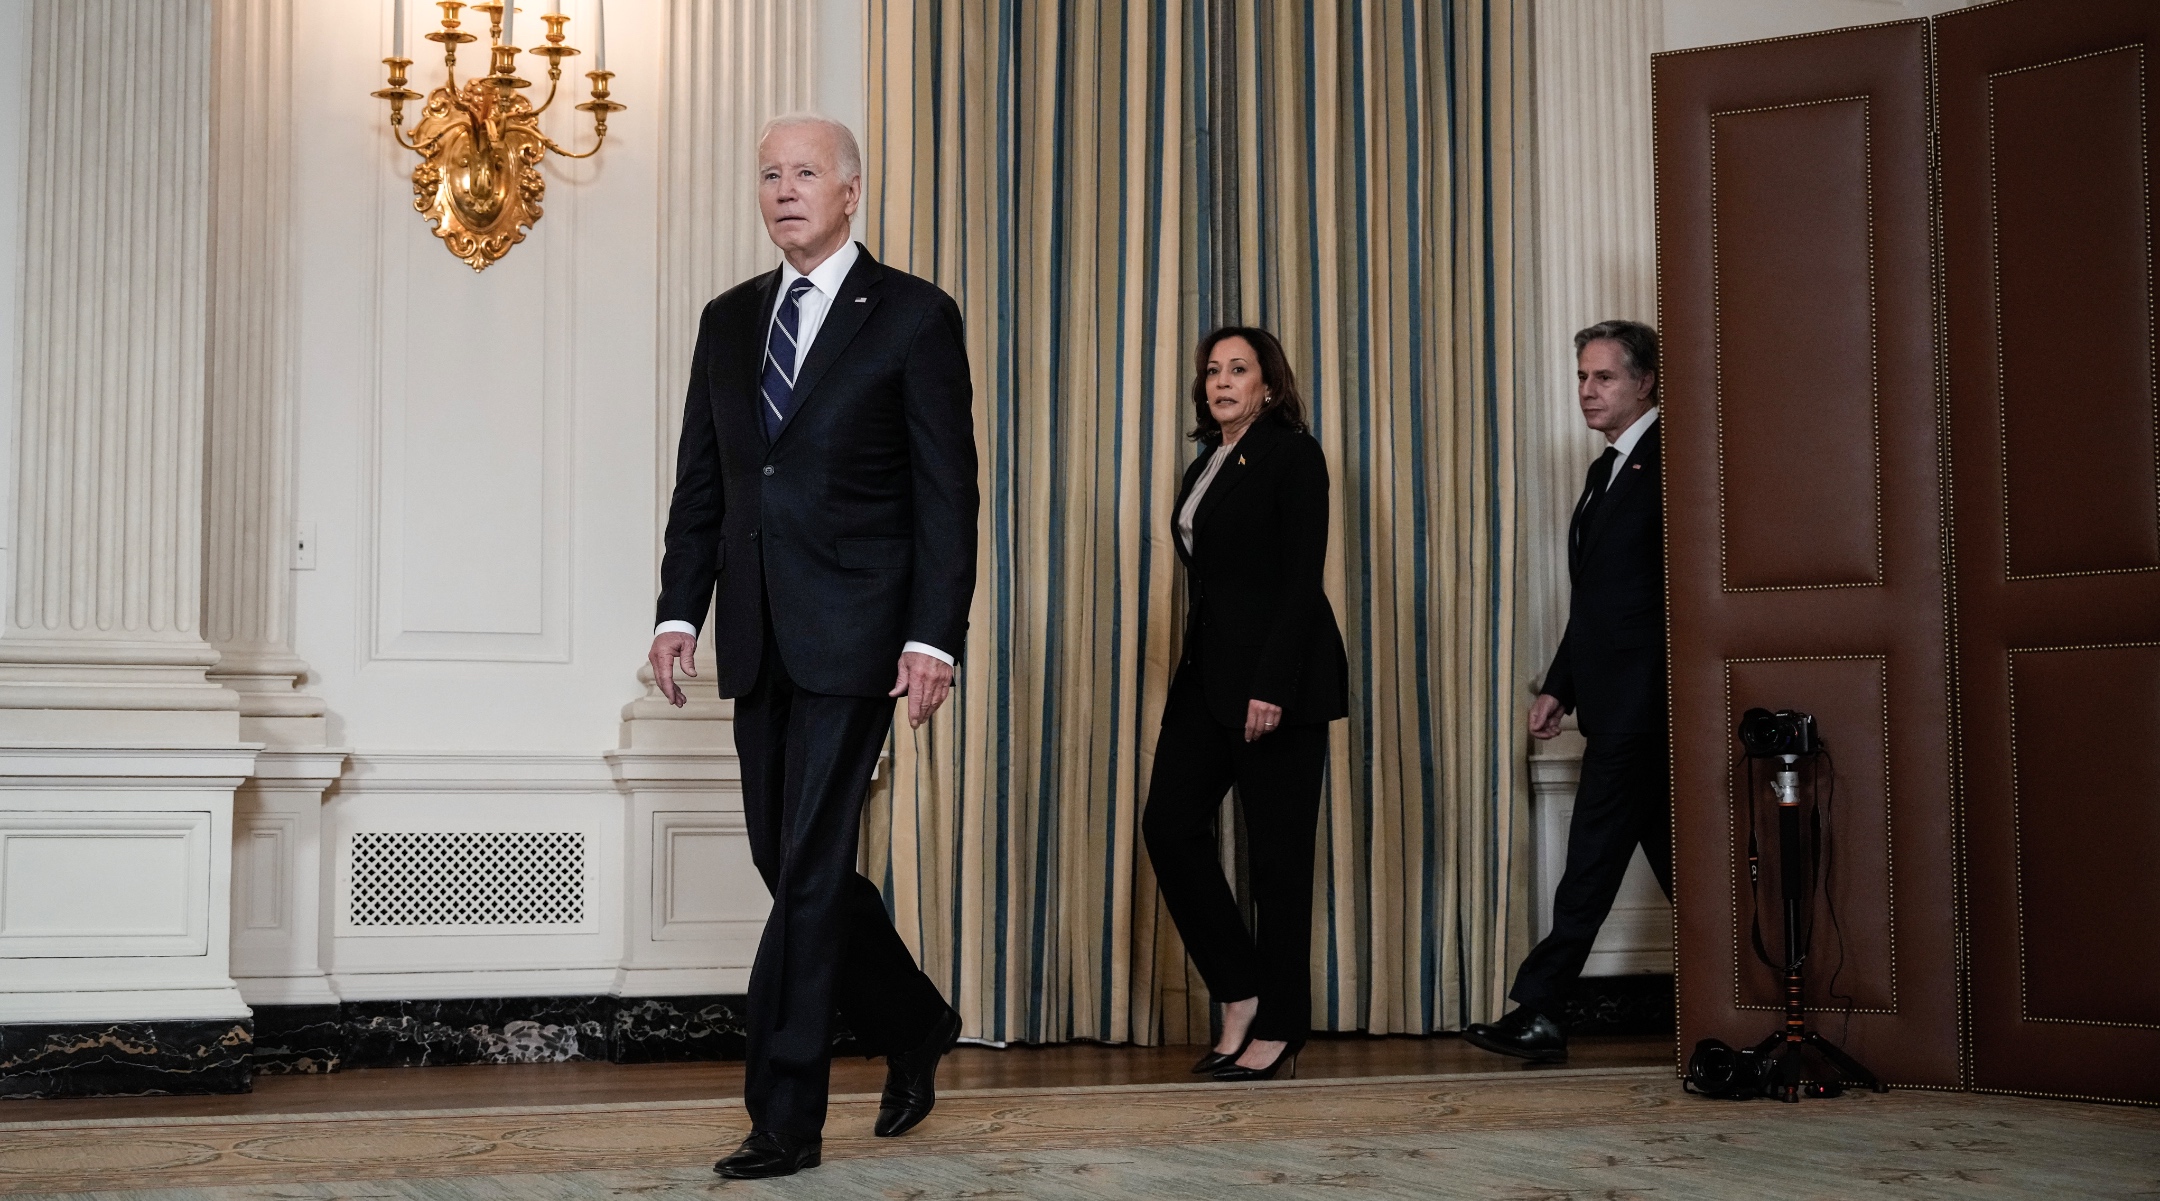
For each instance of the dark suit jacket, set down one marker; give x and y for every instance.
(1259, 626)
(1610, 668)
(853, 531)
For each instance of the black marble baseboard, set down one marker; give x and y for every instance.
(126, 1059)
(384, 1034)
(299, 1040)
(1620, 1005)
(410, 1034)
(678, 1029)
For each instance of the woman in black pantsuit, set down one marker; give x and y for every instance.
(1263, 674)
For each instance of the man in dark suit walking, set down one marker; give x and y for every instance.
(1610, 670)
(825, 505)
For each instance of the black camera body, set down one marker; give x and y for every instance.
(1767, 735)
(1744, 1074)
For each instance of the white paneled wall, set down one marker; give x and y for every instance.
(475, 450)
(480, 463)
(486, 458)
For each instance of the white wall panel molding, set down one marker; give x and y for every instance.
(696, 906)
(454, 982)
(474, 771)
(277, 878)
(468, 442)
(1596, 254)
(105, 603)
(248, 518)
(115, 882)
(105, 884)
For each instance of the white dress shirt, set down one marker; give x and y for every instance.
(1625, 443)
(825, 280)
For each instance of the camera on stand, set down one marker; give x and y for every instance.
(1767, 735)
(1778, 1065)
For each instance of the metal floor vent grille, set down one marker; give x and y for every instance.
(516, 878)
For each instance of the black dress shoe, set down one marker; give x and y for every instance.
(911, 1080)
(768, 1153)
(1525, 1034)
(1234, 1072)
(1215, 1060)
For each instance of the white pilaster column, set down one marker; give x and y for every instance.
(103, 638)
(248, 526)
(695, 904)
(729, 68)
(118, 757)
(248, 519)
(1597, 255)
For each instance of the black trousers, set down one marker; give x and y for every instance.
(1623, 801)
(806, 763)
(1278, 781)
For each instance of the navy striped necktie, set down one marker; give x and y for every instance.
(777, 383)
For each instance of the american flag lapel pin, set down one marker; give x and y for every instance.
(862, 300)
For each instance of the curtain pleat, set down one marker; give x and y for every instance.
(1041, 161)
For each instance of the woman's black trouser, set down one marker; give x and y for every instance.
(1278, 782)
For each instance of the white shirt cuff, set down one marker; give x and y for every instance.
(674, 627)
(924, 648)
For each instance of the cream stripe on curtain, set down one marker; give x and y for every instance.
(1040, 161)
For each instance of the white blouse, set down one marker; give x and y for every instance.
(1199, 489)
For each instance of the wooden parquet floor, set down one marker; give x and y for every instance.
(1070, 1065)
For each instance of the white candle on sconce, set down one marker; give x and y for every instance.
(599, 35)
(509, 23)
(397, 28)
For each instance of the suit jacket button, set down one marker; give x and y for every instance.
(768, 469)
(753, 535)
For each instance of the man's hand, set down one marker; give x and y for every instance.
(924, 681)
(1261, 719)
(666, 650)
(1545, 717)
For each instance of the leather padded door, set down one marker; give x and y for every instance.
(1804, 521)
(2047, 151)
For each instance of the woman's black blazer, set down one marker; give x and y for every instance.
(1259, 625)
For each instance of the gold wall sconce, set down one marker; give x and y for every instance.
(480, 145)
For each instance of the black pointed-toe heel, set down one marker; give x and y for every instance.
(1286, 1063)
(1215, 1061)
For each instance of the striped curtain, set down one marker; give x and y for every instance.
(1095, 184)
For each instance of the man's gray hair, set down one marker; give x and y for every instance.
(843, 138)
(1638, 342)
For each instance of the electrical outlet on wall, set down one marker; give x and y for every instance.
(303, 546)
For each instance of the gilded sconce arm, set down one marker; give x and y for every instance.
(480, 142)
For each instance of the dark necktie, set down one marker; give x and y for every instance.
(1594, 486)
(777, 383)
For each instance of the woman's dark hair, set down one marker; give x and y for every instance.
(1285, 406)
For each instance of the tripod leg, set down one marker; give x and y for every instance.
(1846, 1064)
